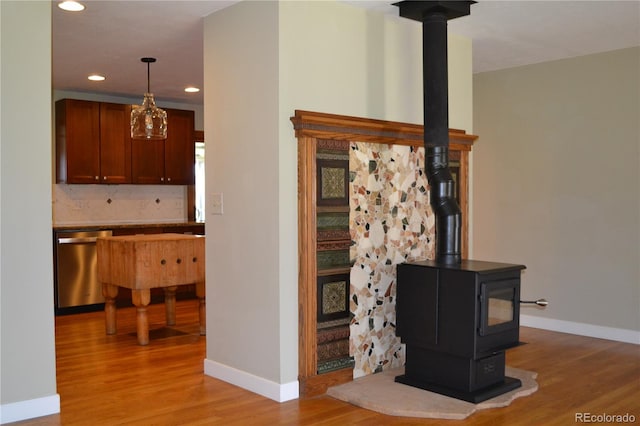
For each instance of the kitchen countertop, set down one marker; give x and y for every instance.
(124, 226)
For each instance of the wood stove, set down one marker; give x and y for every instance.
(456, 316)
(457, 320)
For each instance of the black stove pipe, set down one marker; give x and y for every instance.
(434, 16)
(436, 138)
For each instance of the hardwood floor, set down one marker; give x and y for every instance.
(110, 380)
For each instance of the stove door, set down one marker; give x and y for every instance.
(499, 306)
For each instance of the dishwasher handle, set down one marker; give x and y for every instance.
(77, 240)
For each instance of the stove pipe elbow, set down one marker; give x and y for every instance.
(444, 204)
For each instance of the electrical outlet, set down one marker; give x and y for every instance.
(216, 203)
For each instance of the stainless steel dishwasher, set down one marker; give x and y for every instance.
(76, 275)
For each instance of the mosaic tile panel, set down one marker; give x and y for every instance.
(391, 222)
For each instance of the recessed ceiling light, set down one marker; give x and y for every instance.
(71, 6)
(96, 77)
(191, 89)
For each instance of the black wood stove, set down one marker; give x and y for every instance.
(456, 316)
(456, 321)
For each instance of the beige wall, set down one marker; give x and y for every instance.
(263, 60)
(556, 186)
(241, 124)
(27, 347)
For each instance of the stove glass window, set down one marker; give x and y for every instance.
(500, 306)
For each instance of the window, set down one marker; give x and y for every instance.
(199, 182)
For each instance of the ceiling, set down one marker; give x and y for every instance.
(110, 37)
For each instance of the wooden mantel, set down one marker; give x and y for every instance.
(330, 126)
(310, 127)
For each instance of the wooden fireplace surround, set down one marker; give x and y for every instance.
(310, 127)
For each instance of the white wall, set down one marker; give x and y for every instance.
(264, 60)
(557, 187)
(27, 346)
(241, 124)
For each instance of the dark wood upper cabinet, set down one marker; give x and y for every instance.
(180, 148)
(115, 143)
(92, 142)
(170, 161)
(94, 145)
(147, 161)
(77, 141)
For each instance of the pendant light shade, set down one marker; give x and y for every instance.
(147, 120)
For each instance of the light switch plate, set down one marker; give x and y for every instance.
(216, 203)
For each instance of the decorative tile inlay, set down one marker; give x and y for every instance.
(333, 297)
(333, 182)
(333, 220)
(329, 259)
(391, 222)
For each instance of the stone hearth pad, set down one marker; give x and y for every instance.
(379, 392)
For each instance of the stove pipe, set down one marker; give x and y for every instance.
(434, 16)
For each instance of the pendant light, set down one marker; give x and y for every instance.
(147, 120)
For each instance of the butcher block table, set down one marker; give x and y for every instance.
(143, 262)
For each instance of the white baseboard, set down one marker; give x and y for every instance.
(582, 329)
(272, 390)
(23, 410)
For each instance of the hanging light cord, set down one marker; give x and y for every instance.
(148, 61)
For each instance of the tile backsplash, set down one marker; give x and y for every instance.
(118, 204)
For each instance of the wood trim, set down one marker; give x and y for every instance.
(318, 384)
(330, 126)
(307, 266)
(198, 136)
(313, 130)
(463, 181)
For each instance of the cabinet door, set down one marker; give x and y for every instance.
(147, 161)
(115, 143)
(180, 148)
(78, 141)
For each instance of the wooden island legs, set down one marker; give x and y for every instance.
(170, 304)
(141, 299)
(110, 292)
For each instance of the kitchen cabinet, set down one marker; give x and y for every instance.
(170, 161)
(93, 143)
